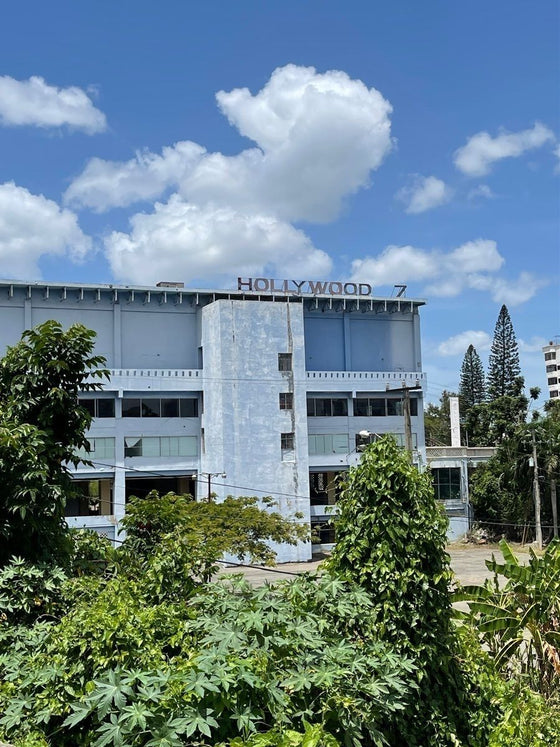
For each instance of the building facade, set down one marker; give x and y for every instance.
(552, 363)
(247, 392)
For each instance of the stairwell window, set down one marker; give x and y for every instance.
(286, 400)
(284, 361)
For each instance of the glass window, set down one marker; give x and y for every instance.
(550, 369)
(284, 361)
(169, 408)
(132, 447)
(131, 408)
(553, 380)
(447, 483)
(89, 405)
(376, 408)
(286, 441)
(339, 407)
(554, 394)
(151, 408)
(550, 356)
(394, 407)
(105, 407)
(188, 408)
(286, 401)
(361, 408)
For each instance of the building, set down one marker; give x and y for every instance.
(552, 363)
(262, 390)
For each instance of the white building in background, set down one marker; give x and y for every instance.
(258, 391)
(552, 363)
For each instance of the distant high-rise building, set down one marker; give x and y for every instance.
(552, 363)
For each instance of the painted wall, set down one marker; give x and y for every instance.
(242, 420)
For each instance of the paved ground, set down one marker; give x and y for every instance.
(467, 562)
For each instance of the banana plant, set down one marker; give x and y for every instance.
(517, 615)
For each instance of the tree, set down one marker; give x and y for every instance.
(472, 386)
(41, 428)
(390, 539)
(437, 425)
(503, 365)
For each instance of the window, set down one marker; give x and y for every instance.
(363, 441)
(550, 356)
(92, 498)
(286, 400)
(324, 488)
(447, 483)
(160, 446)
(166, 407)
(328, 443)
(320, 407)
(550, 369)
(101, 407)
(553, 380)
(287, 441)
(376, 407)
(554, 394)
(284, 361)
(99, 448)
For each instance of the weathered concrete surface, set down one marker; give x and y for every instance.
(467, 562)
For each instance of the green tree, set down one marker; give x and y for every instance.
(503, 365)
(390, 539)
(41, 429)
(472, 387)
(437, 425)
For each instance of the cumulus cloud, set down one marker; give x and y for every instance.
(185, 241)
(318, 137)
(424, 193)
(473, 265)
(482, 191)
(481, 151)
(106, 184)
(458, 344)
(32, 226)
(534, 345)
(35, 102)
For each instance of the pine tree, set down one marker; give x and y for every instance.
(503, 367)
(472, 386)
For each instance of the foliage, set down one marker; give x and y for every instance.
(29, 591)
(502, 489)
(232, 663)
(519, 620)
(238, 526)
(41, 428)
(528, 720)
(436, 421)
(390, 539)
(472, 386)
(503, 365)
(92, 554)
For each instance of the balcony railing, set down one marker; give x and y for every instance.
(383, 376)
(160, 373)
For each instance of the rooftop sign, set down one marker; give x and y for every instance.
(301, 287)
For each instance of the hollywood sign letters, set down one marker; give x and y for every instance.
(300, 287)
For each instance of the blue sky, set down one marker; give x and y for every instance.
(389, 143)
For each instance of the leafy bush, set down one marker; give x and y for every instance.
(29, 591)
(390, 539)
(519, 621)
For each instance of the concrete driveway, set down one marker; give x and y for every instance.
(467, 562)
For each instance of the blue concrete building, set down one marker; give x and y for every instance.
(260, 391)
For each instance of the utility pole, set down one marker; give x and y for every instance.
(209, 476)
(536, 493)
(406, 413)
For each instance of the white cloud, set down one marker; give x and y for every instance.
(32, 226)
(424, 193)
(106, 184)
(188, 242)
(482, 150)
(458, 344)
(482, 191)
(319, 137)
(35, 102)
(534, 345)
(472, 265)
